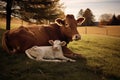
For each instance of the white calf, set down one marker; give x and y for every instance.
(52, 53)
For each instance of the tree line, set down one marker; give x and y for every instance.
(41, 11)
(105, 19)
(109, 19)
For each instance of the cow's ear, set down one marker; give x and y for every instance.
(63, 43)
(60, 22)
(80, 20)
(51, 42)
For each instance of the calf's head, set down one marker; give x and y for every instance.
(69, 27)
(57, 44)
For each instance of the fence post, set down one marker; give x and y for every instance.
(106, 31)
(85, 29)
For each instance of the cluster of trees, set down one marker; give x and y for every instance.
(105, 19)
(32, 11)
(109, 19)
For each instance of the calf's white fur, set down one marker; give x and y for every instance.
(52, 53)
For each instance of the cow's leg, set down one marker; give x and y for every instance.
(68, 53)
(39, 58)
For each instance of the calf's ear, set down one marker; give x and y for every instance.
(63, 43)
(80, 20)
(60, 22)
(51, 42)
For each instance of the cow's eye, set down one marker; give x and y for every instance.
(66, 24)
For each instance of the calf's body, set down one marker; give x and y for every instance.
(52, 53)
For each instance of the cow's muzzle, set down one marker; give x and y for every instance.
(76, 37)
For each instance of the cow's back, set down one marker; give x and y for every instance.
(41, 37)
(45, 33)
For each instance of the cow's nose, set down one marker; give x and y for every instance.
(76, 37)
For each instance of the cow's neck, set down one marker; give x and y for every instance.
(62, 35)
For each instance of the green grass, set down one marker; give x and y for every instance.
(102, 55)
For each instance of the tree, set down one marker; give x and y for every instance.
(114, 20)
(80, 13)
(6, 5)
(105, 18)
(118, 17)
(89, 17)
(38, 10)
(8, 13)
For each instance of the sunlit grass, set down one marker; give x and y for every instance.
(102, 52)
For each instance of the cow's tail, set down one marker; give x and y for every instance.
(4, 41)
(27, 53)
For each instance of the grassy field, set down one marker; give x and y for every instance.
(101, 53)
(102, 57)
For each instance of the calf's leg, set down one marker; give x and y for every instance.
(68, 59)
(68, 53)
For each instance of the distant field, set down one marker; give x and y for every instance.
(14, 23)
(105, 30)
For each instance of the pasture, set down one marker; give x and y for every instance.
(101, 53)
(101, 60)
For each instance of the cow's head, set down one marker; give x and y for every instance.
(69, 26)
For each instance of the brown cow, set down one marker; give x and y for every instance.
(22, 38)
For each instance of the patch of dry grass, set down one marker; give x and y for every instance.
(15, 22)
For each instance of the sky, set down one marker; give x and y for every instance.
(98, 7)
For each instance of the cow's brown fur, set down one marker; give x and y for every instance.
(18, 40)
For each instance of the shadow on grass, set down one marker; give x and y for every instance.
(19, 67)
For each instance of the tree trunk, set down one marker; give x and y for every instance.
(8, 14)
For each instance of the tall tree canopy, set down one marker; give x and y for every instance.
(34, 11)
(38, 10)
(80, 13)
(89, 17)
